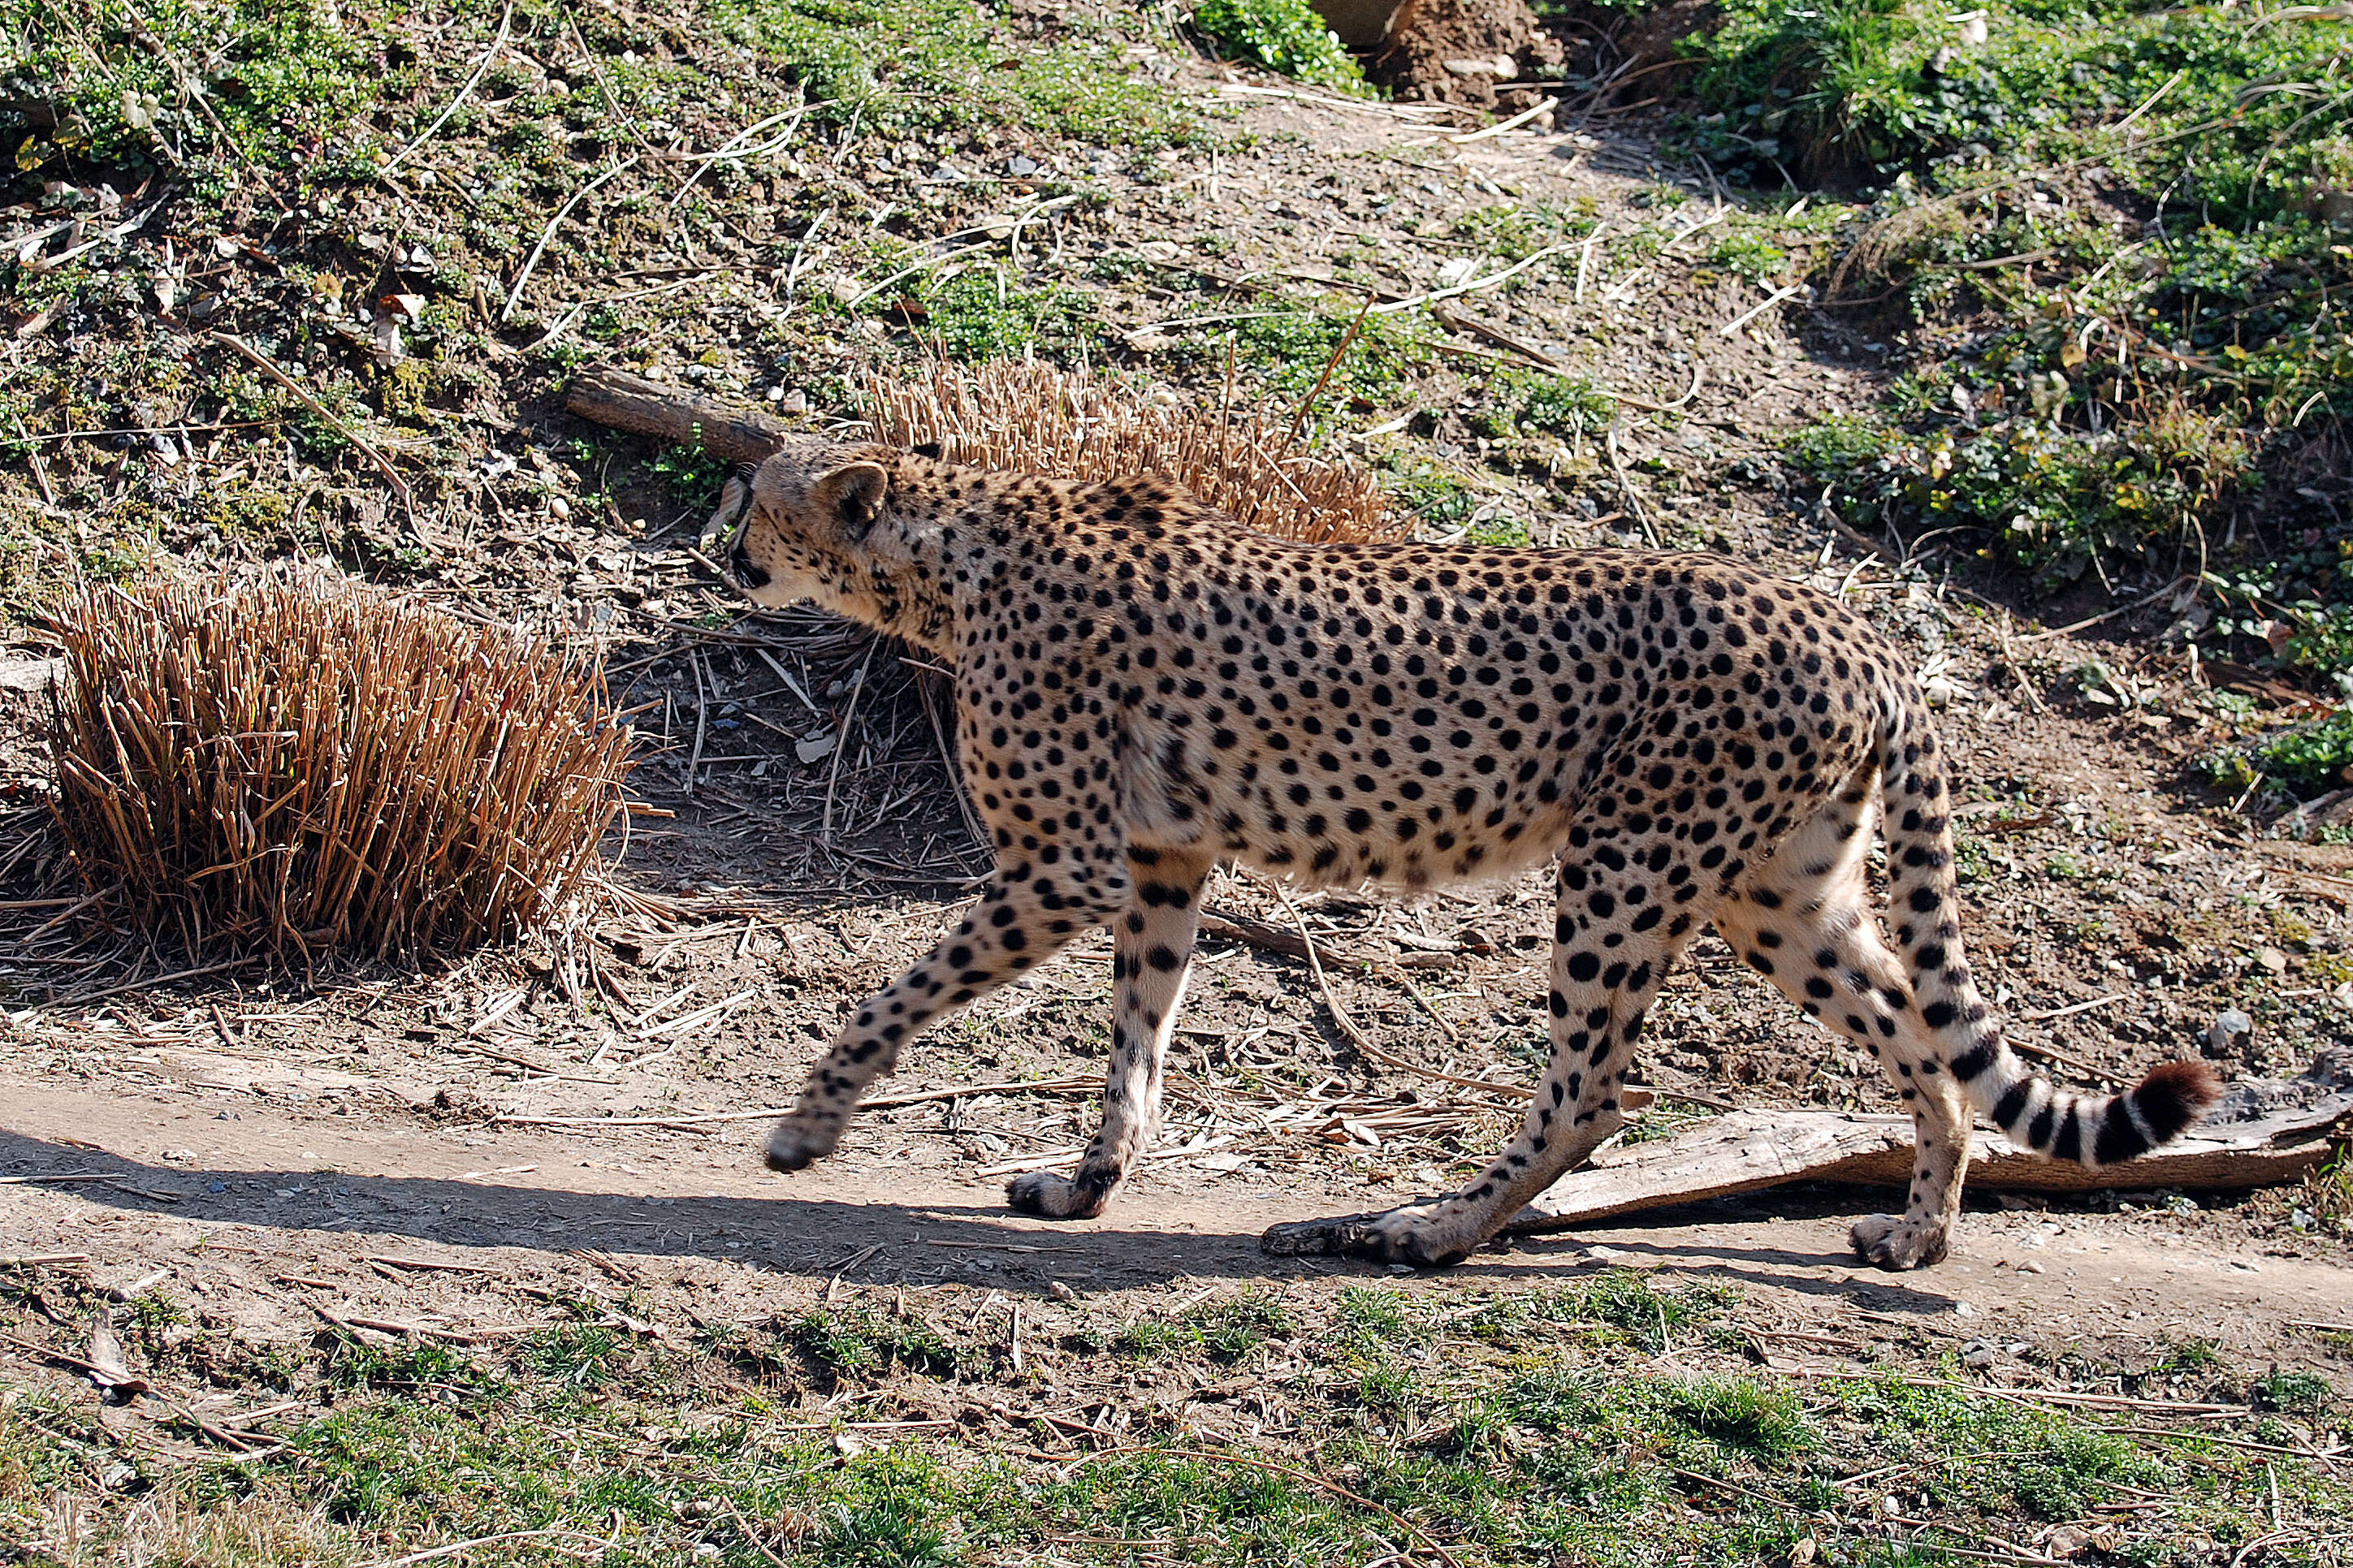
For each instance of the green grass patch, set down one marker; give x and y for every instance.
(1518, 402)
(1598, 1422)
(914, 66)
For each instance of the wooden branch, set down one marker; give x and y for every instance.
(604, 395)
(1749, 1150)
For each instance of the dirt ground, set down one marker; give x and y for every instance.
(447, 1150)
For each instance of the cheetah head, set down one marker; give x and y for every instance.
(806, 526)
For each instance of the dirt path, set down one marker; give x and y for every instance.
(268, 1218)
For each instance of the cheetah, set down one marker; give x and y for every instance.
(1146, 690)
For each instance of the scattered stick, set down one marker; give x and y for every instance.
(426, 1264)
(701, 719)
(1626, 484)
(91, 1367)
(270, 369)
(1355, 1036)
(548, 233)
(621, 401)
(1750, 314)
(1699, 374)
(481, 67)
(2090, 621)
(841, 742)
(455, 1547)
(1584, 257)
(1514, 124)
(1258, 933)
(744, 1527)
(1468, 286)
(40, 1259)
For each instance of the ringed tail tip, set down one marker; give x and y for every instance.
(2174, 1096)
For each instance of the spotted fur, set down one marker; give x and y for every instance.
(1146, 690)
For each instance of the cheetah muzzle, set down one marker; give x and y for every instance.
(1145, 690)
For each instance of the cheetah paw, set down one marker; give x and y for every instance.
(1050, 1197)
(800, 1141)
(1899, 1243)
(1392, 1238)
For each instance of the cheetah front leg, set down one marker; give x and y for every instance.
(1152, 957)
(1022, 919)
(1614, 939)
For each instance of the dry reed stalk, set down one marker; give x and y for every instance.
(300, 766)
(1034, 418)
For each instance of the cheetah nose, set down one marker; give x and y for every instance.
(740, 567)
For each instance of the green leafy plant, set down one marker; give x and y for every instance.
(1285, 36)
(2309, 759)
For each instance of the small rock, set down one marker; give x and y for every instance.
(1963, 1310)
(2030, 1266)
(2230, 1034)
(2272, 959)
(1060, 1292)
(1976, 1352)
(1020, 168)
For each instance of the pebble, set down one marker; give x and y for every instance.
(2030, 1266)
(2230, 1033)
(1060, 1292)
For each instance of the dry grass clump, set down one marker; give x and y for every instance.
(295, 766)
(1033, 419)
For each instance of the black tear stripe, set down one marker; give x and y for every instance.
(2119, 1140)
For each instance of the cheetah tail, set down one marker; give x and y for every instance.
(2091, 1130)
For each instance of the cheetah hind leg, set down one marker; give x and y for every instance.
(1805, 923)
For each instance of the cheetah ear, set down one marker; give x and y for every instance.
(853, 493)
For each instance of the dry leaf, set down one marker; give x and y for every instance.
(108, 1368)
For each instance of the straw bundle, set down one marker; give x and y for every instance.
(1033, 419)
(297, 766)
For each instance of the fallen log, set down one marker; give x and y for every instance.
(1749, 1150)
(621, 401)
